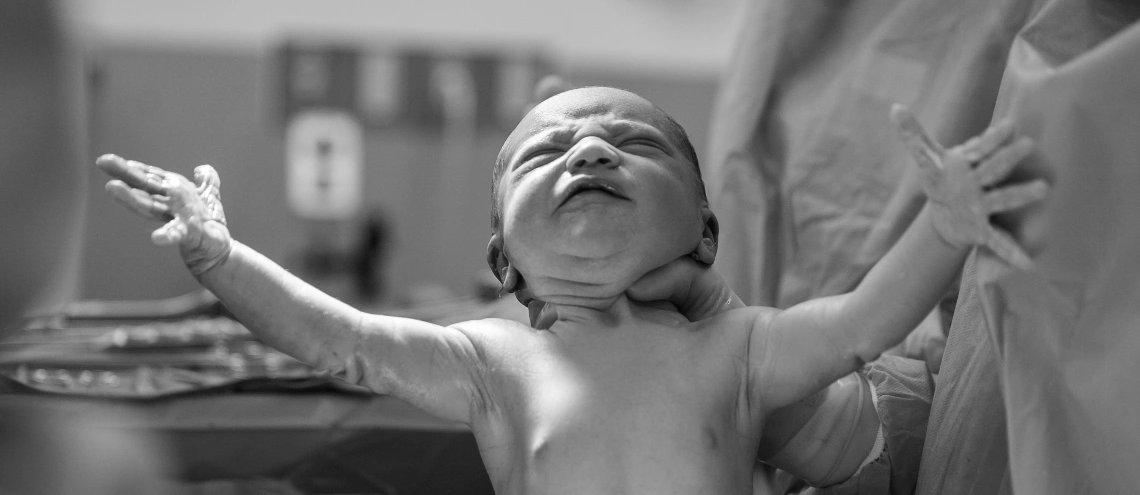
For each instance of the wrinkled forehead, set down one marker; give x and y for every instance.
(583, 105)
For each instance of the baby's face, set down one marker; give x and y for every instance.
(594, 195)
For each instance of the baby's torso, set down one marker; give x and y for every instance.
(642, 408)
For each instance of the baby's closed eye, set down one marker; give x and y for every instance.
(642, 145)
(538, 158)
(542, 153)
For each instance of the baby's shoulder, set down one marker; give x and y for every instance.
(492, 327)
(738, 325)
(496, 332)
(744, 318)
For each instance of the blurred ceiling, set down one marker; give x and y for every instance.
(669, 36)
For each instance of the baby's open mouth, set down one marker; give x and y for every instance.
(596, 186)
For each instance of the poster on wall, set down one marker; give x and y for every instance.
(325, 164)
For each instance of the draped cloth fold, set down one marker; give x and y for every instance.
(1038, 390)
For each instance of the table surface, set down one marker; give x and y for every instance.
(224, 406)
(322, 442)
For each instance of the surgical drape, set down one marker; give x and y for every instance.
(811, 188)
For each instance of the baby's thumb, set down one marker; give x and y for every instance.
(205, 176)
(170, 234)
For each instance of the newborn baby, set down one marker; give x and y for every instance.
(595, 190)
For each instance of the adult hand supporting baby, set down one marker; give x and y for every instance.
(192, 211)
(960, 184)
(693, 287)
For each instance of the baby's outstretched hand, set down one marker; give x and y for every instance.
(959, 184)
(192, 210)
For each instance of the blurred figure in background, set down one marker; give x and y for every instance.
(44, 450)
(40, 130)
(371, 256)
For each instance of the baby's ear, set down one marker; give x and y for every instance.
(706, 249)
(501, 266)
(496, 260)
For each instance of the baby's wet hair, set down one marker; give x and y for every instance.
(672, 129)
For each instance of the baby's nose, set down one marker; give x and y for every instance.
(591, 152)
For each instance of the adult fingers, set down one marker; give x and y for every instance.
(542, 315)
(989, 141)
(1006, 248)
(968, 148)
(1016, 196)
(671, 282)
(135, 174)
(149, 206)
(1001, 163)
(926, 151)
(548, 86)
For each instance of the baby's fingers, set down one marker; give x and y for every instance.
(926, 151)
(542, 315)
(1001, 163)
(135, 174)
(209, 190)
(1006, 248)
(151, 206)
(206, 177)
(170, 234)
(987, 142)
(1016, 196)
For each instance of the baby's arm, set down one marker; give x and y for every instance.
(802, 349)
(843, 412)
(433, 367)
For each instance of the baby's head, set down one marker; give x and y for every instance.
(593, 189)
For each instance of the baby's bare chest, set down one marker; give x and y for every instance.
(646, 390)
(630, 376)
(644, 407)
